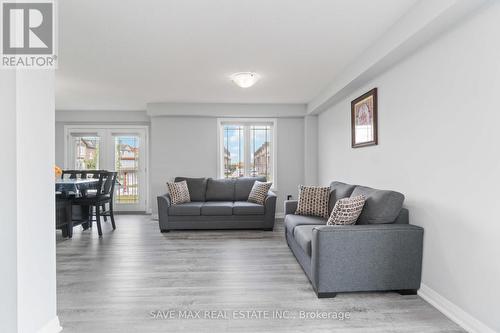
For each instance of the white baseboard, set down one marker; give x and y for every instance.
(452, 311)
(53, 326)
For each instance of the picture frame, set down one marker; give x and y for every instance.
(364, 126)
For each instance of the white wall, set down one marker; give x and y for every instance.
(27, 195)
(187, 146)
(8, 191)
(35, 200)
(438, 144)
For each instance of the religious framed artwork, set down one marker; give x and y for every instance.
(364, 120)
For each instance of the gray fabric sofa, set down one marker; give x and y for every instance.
(217, 204)
(381, 252)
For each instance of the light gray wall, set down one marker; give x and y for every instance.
(311, 150)
(290, 158)
(187, 146)
(438, 144)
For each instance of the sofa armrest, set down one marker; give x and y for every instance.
(269, 210)
(164, 202)
(366, 257)
(290, 206)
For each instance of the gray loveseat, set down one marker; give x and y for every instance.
(381, 252)
(217, 204)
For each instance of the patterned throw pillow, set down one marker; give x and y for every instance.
(313, 201)
(178, 192)
(347, 210)
(259, 191)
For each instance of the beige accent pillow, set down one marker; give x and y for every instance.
(259, 192)
(179, 192)
(346, 210)
(313, 201)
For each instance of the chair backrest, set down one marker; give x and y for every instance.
(106, 184)
(71, 174)
(109, 184)
(81, 174)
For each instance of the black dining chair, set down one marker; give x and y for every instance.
(97, 201)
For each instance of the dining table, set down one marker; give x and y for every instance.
(77, 187)
(67, 190)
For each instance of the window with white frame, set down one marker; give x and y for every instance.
(246, 148)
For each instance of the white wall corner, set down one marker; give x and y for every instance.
(53, 326)
(452, 311)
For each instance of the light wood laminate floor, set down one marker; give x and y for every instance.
(133, 277)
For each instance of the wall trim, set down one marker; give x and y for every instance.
(216, 110)
(53, 326)
(452, 311)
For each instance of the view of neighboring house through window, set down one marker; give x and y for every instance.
(127, 166)
(113, 148)
(86, 152)
(234, 162)
(247, 149)
(260, 138)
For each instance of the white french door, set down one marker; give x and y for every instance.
(120, 149)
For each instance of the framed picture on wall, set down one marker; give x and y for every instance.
(364, 120)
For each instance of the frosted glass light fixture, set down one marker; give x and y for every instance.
(245, 79)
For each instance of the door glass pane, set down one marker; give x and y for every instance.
(127, 166)
(260, 150)
(86, 150)
(234, 165)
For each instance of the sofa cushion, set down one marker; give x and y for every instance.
(303, 236)
(197, 187)
(292, 221)
(217, 208)
(247, 208)
(243, 186)
(220, 189)
(339, 191)
(186, 209)
(381, 206)
(259, 192)
(346, 211)
(313, 201)
(179, 192)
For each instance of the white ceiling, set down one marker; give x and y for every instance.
(120, 55)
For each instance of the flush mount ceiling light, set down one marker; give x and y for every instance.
(245, 79)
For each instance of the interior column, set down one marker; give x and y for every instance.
(27, 240)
